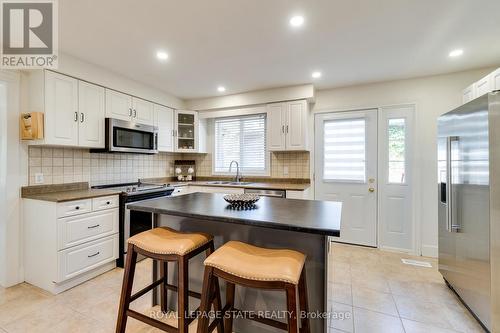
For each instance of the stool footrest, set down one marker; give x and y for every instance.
(190, 292)
(145, 290)
(264, 320)
(152, 322)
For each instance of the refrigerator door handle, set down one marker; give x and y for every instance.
(450, 227)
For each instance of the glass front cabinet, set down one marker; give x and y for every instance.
(186, 131)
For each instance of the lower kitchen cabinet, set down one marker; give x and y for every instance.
(216, 189)
(68, 243)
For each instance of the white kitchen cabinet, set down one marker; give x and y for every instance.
(91, 107)
(118, 105)
(495, 80)
(128, 108)
(216, 189)
(142, 111)
(287, 124)
(164, 120)
(61, 109)
(68, 243)
(276, 120)
(186, 131)
(469, 93)
(483, 86)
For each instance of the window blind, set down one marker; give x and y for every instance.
(242, 139)
(344, 155)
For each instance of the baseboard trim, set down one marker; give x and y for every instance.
(430, 251)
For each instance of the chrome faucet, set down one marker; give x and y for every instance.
(238, 175)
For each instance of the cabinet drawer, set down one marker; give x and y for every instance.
(79, 229)
(83, 258)
(71, 208)
(105, 202)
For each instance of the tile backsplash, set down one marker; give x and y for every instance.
(68, 165)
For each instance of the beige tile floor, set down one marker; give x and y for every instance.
(371, 289)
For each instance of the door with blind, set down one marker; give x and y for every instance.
(346, 170)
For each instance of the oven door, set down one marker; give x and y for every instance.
(126, 136)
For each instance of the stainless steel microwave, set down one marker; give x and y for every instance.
(130, 137)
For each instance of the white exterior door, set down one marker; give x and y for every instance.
(396, 226)
(61, 109)
(296, 124)
(118, 105)
(92, 113)
(164, 119)
(346, 171)
(276, 114)
(143, 111)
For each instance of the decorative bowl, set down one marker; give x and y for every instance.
(242, 200)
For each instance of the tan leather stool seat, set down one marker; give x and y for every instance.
(164, 240)
(256, 263)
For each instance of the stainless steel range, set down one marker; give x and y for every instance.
(133, 222)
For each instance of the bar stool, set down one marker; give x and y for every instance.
(165, 244)
(255, 267)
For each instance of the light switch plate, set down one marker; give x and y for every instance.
(285, 171)
(38, 178)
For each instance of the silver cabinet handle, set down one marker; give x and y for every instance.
(93, 255)
(135, 113)
(449, 186)
(76, 116)
(130, 112)
(287, 129)
(82, 117)
(94, 226)
(283, 128)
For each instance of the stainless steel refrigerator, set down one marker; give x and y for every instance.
(469, 205)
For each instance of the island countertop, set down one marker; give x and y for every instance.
(309, 216)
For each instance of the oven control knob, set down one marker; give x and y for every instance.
(128, 189)
(134, 189)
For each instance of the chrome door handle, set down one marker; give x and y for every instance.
(93, 255)
(94, 226)
(130, 112)
(287, 129)
(450, 227)
(76, 116)
(82, 117)
(283, 128)
(135, 113)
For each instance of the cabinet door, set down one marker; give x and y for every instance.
(186, 131)
(276, 113)
(142, 111)
(468, 94)
(483, 86)
(296, 125)
(118, 105)
(164, 120)
(61, 110)
(495, 80)
(92, 113)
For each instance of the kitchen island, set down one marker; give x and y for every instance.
(302, 225)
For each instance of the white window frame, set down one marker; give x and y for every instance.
(265, 173)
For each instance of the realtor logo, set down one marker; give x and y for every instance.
(29, 34)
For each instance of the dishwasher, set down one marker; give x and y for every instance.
(267, 193)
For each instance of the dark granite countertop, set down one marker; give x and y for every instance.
(309, 216)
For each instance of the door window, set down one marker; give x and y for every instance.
(345, 150)
(396, 135)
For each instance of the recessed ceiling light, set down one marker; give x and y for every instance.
(221, 89)
(162, 55)
(316, 75)
(456, 53)
(297, 21)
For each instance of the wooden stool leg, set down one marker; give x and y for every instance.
(217, 300)
(183, 295)
(203, 319)
(228, 321)
(164, 290)
(128, 280)
(291, 301)
(303, 303)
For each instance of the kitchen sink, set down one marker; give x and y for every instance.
(225, 182)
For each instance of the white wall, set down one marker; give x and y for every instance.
(83, 70)
(433, 96)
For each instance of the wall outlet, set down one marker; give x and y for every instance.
(38, 178)
(285, 171)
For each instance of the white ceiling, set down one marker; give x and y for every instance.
(248, 44)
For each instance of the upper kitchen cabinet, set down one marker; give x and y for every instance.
(469, 93)
(91, 107)
(489, 83)
(186, 131)
(61, 114)
(495, 80)
(287, 125)
(164, 120)
(125, 107)
(73, 109)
